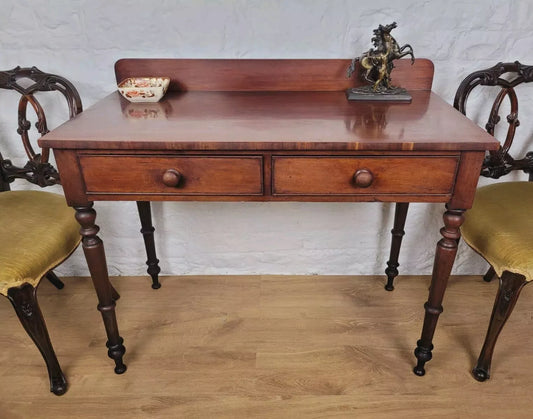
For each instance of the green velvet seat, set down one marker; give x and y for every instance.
(500, 227)
(38, 232)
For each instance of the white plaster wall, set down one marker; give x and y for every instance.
(81, 39)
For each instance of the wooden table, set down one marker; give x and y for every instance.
(270, 130)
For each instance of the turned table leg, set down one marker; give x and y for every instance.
(444, 258)
(147, 230)
(397, 232)
(93, 248)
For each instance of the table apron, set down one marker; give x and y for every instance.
(264, 176)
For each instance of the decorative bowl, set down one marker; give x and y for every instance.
(144, 89)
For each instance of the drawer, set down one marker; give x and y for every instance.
(359, 175)
(173, 175)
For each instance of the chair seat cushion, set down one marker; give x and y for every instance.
(37, 232)
(500, 226)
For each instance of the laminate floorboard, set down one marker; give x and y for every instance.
(268, 347)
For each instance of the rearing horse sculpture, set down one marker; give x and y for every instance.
(377, 62)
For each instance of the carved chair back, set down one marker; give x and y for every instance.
(37, 170)
(506, 76)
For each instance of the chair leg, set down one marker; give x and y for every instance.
(489, 276)
(510, 286)
(147, 230)
(56, 282)
(529, 170)
(398, 232)
(114, 294)
(24, 301)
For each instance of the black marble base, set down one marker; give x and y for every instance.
(366, 93)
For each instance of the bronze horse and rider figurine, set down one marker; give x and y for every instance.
(376, 66)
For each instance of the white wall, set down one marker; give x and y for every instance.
(81, 39)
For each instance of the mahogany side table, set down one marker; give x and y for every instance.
(270, 130)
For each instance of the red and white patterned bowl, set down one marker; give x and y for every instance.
(144, 89)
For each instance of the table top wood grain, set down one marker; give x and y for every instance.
(200, 120)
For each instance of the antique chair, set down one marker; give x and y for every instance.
(500, 224)
(38, 229)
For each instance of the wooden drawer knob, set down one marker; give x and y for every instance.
(363, 178)
(171, 178)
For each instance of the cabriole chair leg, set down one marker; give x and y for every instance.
(24, 301)
(510, 286)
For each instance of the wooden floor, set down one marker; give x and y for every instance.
(268, 347)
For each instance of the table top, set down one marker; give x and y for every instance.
(209, 119)
(270, 121)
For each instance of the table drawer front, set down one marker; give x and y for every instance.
(180, 175)
(292, 175)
